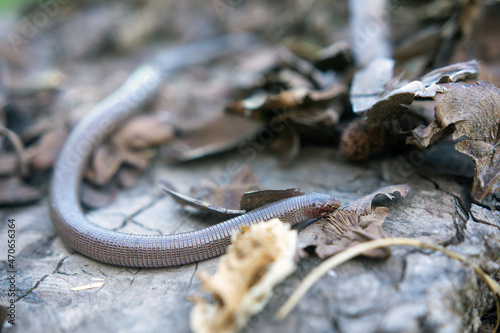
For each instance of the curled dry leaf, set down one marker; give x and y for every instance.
(255, 199)
(220, 199)
(296, 99)
(356, 223)
(383, 97)
(471, 111)
(451, 73)
(132, 144)
(199, 204)
(242, 194)
(260, 257)
(397, 102)
(143, 132)
(104, 165)
(44, 154)
(293, 99)
(393, 103)
(337, 56)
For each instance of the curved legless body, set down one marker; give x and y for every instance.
(148, 250)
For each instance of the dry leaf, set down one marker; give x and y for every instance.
(337, 56)
(383, 98)
(304, 67)
(104, 164)
(229, 196)
(397, 102)
(128, 176)
(287, 144)
(260, 257)
(466, 110)
(132, 144)
(143, 132)
(356, 223)
(451, 73)
(293, 98)
(44, 154)
(220, 134)
(219, 199)
(471, 111)
(255, 199)
(199, 204)
(296, 99)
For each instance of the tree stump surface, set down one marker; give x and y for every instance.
(412, 291)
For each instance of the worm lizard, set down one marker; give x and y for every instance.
(136, 250)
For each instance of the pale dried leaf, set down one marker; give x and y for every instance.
(45, 152)
(260, 257)
(104, 165)
(132, 144)
(296, 97)
(452, 73)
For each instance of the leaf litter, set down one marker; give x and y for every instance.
(308, 97)
(355, 223)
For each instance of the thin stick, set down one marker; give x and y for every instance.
(354, 251)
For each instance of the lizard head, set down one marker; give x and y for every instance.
(325, 204)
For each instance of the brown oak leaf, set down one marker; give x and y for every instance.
(355, 223)
(472, 112)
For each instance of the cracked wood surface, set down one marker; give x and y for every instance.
(412, 291)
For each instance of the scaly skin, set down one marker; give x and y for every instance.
(137, 250)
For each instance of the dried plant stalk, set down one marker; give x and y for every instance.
(260, 257)
(355, 251)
